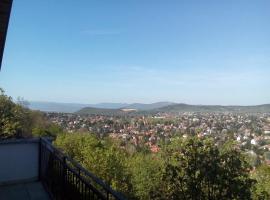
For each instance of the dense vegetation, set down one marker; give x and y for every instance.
(184, 169)
(188, 168)
(17, 121)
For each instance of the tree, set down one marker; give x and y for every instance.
(261, 190)
(197, 169)
(42, 127)
(146, 175)
(17, 121)
(14, 119)
(104, 158)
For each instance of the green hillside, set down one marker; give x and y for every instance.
(178, 108)
(214, 108)
(100, 111)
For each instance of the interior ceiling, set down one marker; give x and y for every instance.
(5, 8)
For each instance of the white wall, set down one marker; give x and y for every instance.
(19, 161)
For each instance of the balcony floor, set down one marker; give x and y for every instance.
(24, 191)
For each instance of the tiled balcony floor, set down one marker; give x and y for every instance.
(24, 191)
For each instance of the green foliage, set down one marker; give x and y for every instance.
(136, 175)
(14, 119)
(198, 169)
(146, 174)
(262, 188)
(267, 155)
(185, 169)
(17, 121)
(253, 159)
(101, 157)
(41, 127)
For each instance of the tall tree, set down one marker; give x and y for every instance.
(197, 169)
(14, 119)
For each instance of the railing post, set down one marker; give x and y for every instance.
(64, 171)
(40, 160)
(108, 195)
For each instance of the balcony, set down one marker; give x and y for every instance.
(34, 169)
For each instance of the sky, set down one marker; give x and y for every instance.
(185, 51)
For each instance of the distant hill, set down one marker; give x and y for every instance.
(142, 106)
(55, 107)
(109, 105)
(213, 108)
(70, 107)
(103, 111)
(74, 107)
(179, 108)
(136, 108)
(139, 108)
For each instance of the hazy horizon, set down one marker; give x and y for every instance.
(199, 53)
(96, 103)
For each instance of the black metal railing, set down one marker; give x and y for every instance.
(66, 179)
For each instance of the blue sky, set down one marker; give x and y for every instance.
(197, 52)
